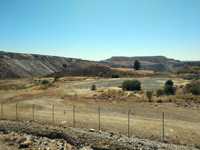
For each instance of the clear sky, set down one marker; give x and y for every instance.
(99, 29)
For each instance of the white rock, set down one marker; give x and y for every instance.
(92, 130)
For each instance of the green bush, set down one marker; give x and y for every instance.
(93, 87)
(159, 92)
(149, 95)
(115, 75)
(64, 65)
(45, 81)
(169, 82)
(193, 77)
(56, 78)
(169, 90)
(193, 88)
(131, 85)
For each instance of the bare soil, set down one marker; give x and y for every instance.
(182, 113)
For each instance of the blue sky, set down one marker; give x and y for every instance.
(99, 29)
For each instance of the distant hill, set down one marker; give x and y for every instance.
(189, 70)
(102, 71)
(156, 63)
(16, 65)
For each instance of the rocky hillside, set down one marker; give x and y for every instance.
(31, 135)
(15, 65)
(189, 70)
(156, 63)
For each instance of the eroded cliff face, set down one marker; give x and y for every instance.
(14, 65)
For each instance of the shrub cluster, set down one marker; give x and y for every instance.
(169, 89)
(45, 81)
(159, 92)
(131, 85)
(192, 77)
(115, 75)
(193, 88)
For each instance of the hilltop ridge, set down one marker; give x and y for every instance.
(18, 65)
(156, 63)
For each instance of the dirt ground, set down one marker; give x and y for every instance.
(181, 122)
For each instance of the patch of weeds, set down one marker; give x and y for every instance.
(6, 87)
(45, 81)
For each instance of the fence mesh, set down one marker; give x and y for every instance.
(115, 119)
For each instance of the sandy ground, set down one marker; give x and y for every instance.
(182, 124)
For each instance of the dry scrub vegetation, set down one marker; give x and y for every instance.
(182, 110)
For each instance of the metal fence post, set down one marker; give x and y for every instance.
(163, 128)
(2, 110)
(128, 122)
(99, 118)
(16, 111)
(74, 115)
(53, 113)
(33, 111)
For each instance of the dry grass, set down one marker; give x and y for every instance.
(131, 70)
(182, 114)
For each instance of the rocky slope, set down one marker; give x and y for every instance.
(156, 63)
(30, 135)
(14, 65)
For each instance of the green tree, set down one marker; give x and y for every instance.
(169, 90)
(137, 65)
(149, 95)
(131, 85)
(93, 87)
(169, 82)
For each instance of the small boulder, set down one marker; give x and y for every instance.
(92, 130)
(111, 134)
(26, 144)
